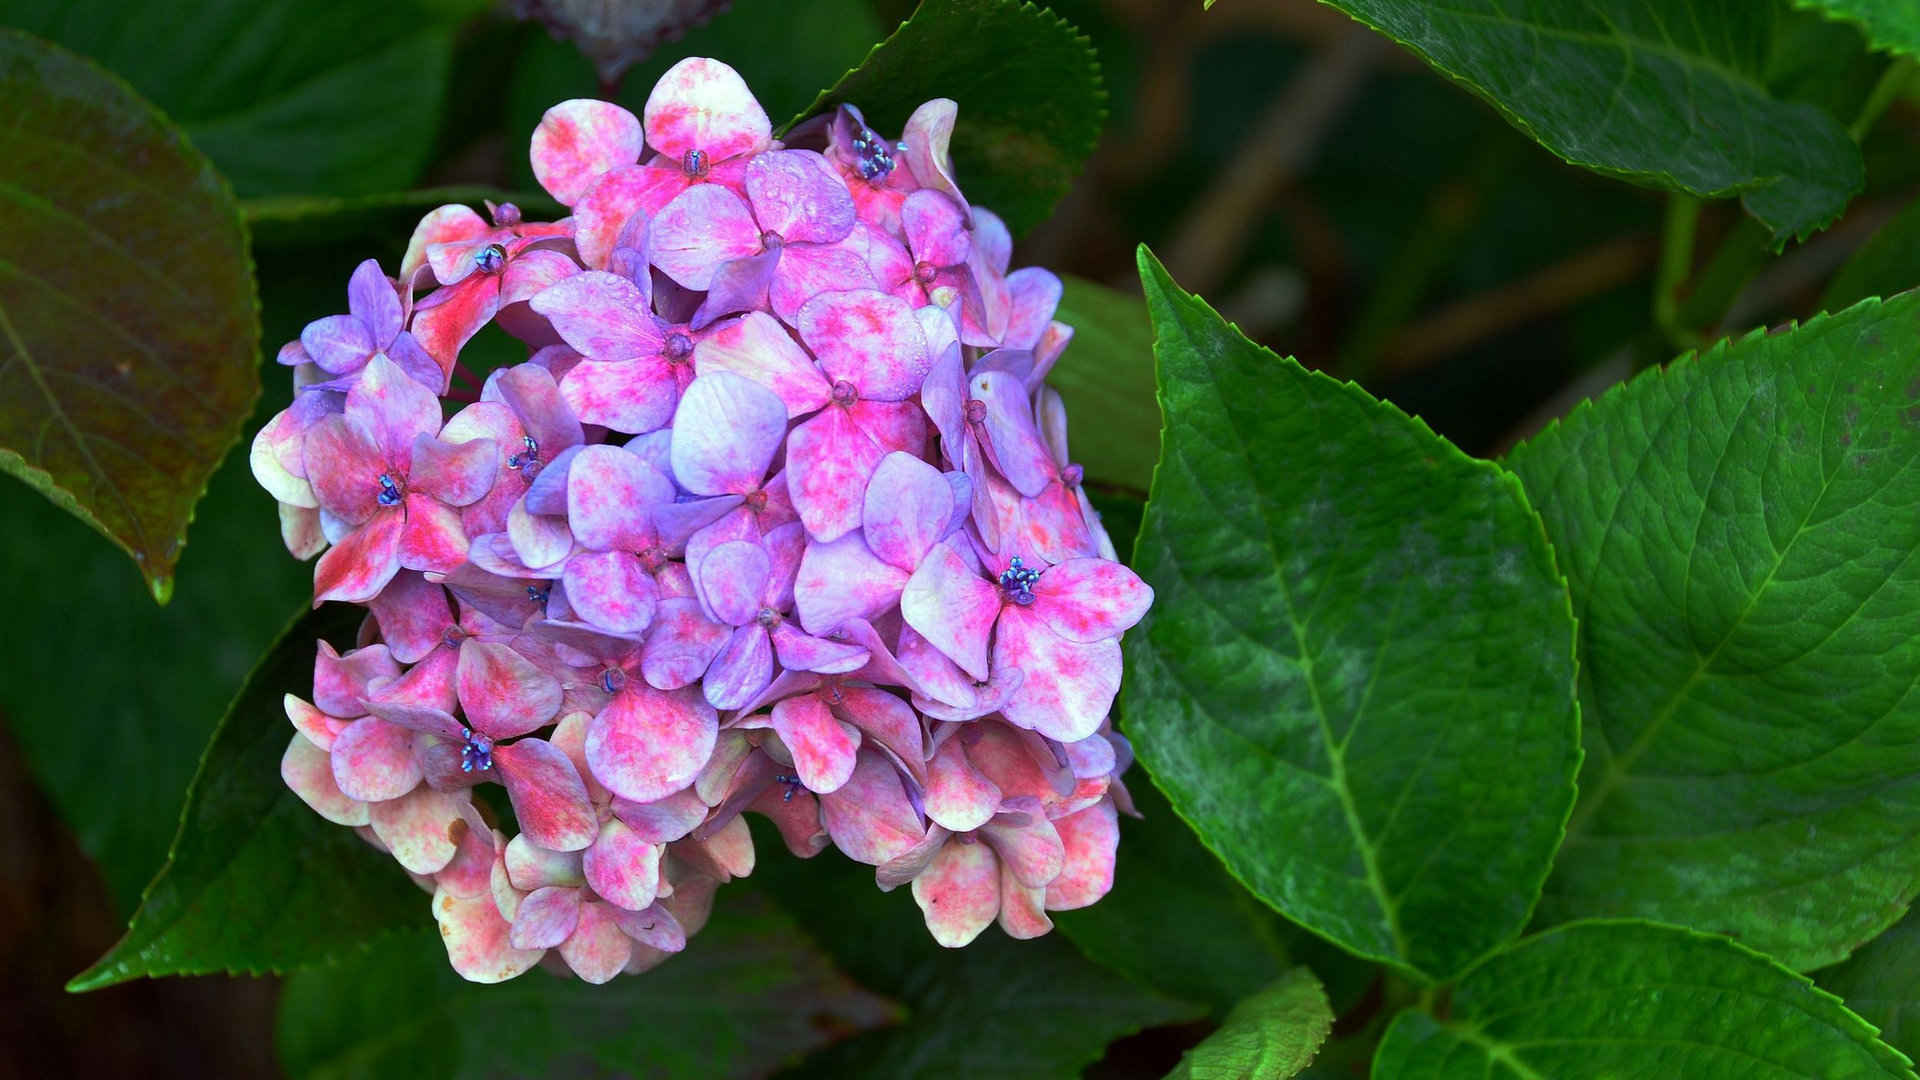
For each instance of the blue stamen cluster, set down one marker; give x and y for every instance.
(876, 161)
(490, 259)
(389, 491)
(1017, 582)
(528, 458)
(476, 754)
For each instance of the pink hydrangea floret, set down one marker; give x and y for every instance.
(776, 516)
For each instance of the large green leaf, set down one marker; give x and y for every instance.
(1356, 682)
(1012, 1010)
(1739, 534)
(1610, 999)
(1028, 85)
(1270, 1036)
(1893, 25)
(1105, 378)
(342, 97)
(127, 322)
(257, 881)
(749, 993)
(1881, 982)
(1669, 95)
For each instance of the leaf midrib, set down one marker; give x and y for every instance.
(1335, 749)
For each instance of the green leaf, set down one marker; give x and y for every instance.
(383, 220)
(127, 321)
(1893, 25)
(1881, 982)
(1611, 999)
(1012, 1010)
(749, 992)
(1270, 1036)
(1739, 536)
(339, 97)
(1888, 263)
(1028, 85)
(1671, 96)
(1105, 378)
(1175, 920)
(256, 881)
(1356, 682)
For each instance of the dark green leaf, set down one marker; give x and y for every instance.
(1270, 1036)
(749, 993)
(1106, 380)
(1738, 531)
(1881, 982)
(342, 97)
(256, 881)
(1893, 25)
(1008, 1009)
(1175, 919)
(1028, 86)
(127, 322)
(1357, 679)
(1888, 263)
(383, 221)
(1672, 96)
(1611, 999)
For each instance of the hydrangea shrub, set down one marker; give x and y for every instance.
(778, 516)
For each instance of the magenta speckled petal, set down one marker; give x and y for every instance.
(545, 917)
(953, 607)
(1092, 837)
(597, 950)
(603, 316)
(477, 941)
(798, 651)
(842, 580)
(1023, 914)
(927, 134)
(617, 199)
(373, 760)
(394, 409)
(704, 105)
(608, 493)
(447, 224)
(457, 474)
(958, 796)
(577, 141)
(345, 463)
(308, 771)
(1087, 600)
(681, 643)
(888, 721)
(549, 798)
(504, 694)
(1036, 296)
(1032, 850)
(959, 892)
(1017, 449)
(420, 718)
(655, 927)
(318, 727)
(759, 348)
(632, 396)
(530, 866)
(623, 868)
(731, 579)
(341, 681)
(431, 536)
(936, 228)
(646, 744)
(662, 821)
(470, 871)
(797, 196)
(907, 508)
(725, 434)
(448, 319)
(1069, 686)
(742, 670)
(830, 461)
(361, 563)
(824, 748)
(703, 227)
(869, 339)
(413, 614)
(338, 343)
(807, 270)
(418, 828)
(869, 817)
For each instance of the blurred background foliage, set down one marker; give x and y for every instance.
(1325, 189)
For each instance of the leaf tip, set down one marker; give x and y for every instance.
(162, 585)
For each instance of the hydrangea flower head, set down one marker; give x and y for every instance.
(776, 516)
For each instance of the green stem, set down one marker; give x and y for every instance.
(1892, 82)
(1676, 262)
